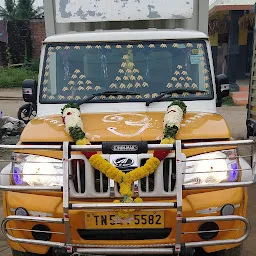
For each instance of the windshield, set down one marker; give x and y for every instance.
(75, 72)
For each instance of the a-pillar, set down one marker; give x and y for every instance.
(233, 47)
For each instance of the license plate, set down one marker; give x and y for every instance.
(110, 220)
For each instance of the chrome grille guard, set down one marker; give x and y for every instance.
(127, 250)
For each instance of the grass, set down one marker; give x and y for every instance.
(13, 77)
(228, 101)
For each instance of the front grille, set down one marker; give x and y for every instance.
(78, 174)
(91, 183)
(123, 234)
(100, 182)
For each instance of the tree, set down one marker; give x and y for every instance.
(9, 12)
(23, 10)
(26, 10)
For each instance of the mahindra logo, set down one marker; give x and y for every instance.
(125, 148)
(123, 162)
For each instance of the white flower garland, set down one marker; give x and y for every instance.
(173, 117)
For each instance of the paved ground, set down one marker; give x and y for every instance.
(235, 117)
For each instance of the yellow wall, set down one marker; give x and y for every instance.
(243, 36)
(214, 40)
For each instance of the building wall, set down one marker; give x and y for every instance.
(37, 28)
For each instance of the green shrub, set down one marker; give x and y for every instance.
(33, 65)
(13, 77)
(228, 101)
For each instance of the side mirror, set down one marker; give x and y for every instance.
(29, 90)
(222, 87)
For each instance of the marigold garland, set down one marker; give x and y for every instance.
(74, 126)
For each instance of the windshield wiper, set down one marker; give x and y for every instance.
(107, 94)
(179, 91)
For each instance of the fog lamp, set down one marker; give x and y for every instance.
(227, 209)
(21, 212)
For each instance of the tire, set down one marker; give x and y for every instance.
(23, 113)
(237, 251)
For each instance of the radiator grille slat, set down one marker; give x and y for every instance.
(89, 182)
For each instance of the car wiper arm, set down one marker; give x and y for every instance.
(107, 94)
(179, 91)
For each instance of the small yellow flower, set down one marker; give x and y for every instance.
(168, 141)
(80, 88)
(97, 88)
(88, 88)
(129, 86)
(137, 85)
(113, 85)
(88, 82)
(82, 142)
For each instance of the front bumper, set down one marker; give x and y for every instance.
(49, 211)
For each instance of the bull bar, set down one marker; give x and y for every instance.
(80, 249)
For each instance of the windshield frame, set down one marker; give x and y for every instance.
(168, 98)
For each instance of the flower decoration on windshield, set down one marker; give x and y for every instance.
(163, 45)
(71, 117)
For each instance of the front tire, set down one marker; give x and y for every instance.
(237, 251)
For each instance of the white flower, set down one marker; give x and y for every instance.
(173, 117)
(72, 118)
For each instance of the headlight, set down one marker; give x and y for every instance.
(35, 170)
(212, 168)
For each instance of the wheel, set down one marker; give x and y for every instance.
(27, 112)
(237, 251)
